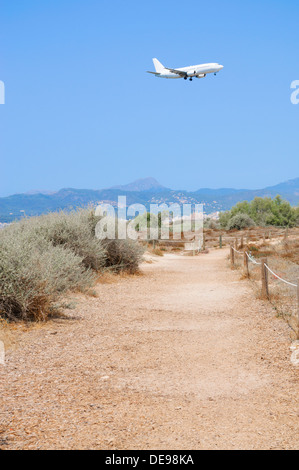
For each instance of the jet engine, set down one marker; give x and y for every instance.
(191, 73)
(201, 75)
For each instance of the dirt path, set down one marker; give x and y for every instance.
(182, 357)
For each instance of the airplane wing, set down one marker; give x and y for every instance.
(154, 73)
(177, 72)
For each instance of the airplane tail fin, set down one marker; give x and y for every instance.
(158, 66)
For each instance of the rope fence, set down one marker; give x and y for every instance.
(276, 276)
(251, 258)
(280, 278)
(265, 270)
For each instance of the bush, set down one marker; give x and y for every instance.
(34, 274)
(123, 255)
(73, 230)
(211, 224)
(143, 221)
(239, 222)
(224, 218)
(120, 255)
(158, 251)
(42, 258)
(264, 211)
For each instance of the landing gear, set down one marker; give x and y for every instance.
(185, 78)
(190, 79)
(215, 74)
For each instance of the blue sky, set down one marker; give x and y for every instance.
(81, 112)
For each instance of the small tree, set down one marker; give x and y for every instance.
(264, 211)
(224, 218)
(239, 222)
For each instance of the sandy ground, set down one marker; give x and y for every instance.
(181, 357)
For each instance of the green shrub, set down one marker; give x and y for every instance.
(239, 222)
(143, 221)
(42, 258)
(224, 218)
(211, 224)
(123, 255)
(120, 255)
(34, 274)
(73, 230)
(264, 211)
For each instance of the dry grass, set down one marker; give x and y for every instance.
(158, 252)
(290, 250)
(282, 255)
(251, 235)
(6, 334)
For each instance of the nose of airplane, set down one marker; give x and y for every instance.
(221, 67)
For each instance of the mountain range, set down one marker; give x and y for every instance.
(144, 191)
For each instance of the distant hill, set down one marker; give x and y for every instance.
(40, 191)
(145, 184)
(289, 190)
(144, 191)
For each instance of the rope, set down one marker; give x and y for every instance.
(239, 252)
(283, 280)
(272, 272)
(252, 259)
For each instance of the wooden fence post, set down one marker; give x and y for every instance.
(204, 242)
(154, 244)
(286, 234)
(265, 284)
(220, 241)
(242, 243)
(236, 243)
(232, 257)
(246, 264)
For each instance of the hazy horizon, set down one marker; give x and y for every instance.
(44, 191)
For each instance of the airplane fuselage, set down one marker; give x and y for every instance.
(198, 71)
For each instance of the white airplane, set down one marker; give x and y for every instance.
(198, 71)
